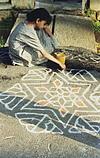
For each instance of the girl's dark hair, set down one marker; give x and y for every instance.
(39, 13)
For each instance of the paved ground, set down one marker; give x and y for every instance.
(17, 142)
(72, 132)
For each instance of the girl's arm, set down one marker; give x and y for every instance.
(50, 57)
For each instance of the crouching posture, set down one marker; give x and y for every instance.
(31, 41)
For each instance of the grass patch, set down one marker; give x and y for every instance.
(2, 41)
(89, 12)
(96, 26)
(95, 23)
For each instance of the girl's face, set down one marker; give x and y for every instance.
(40, 24)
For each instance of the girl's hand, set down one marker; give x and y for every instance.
(63, 66)
(48, 31)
